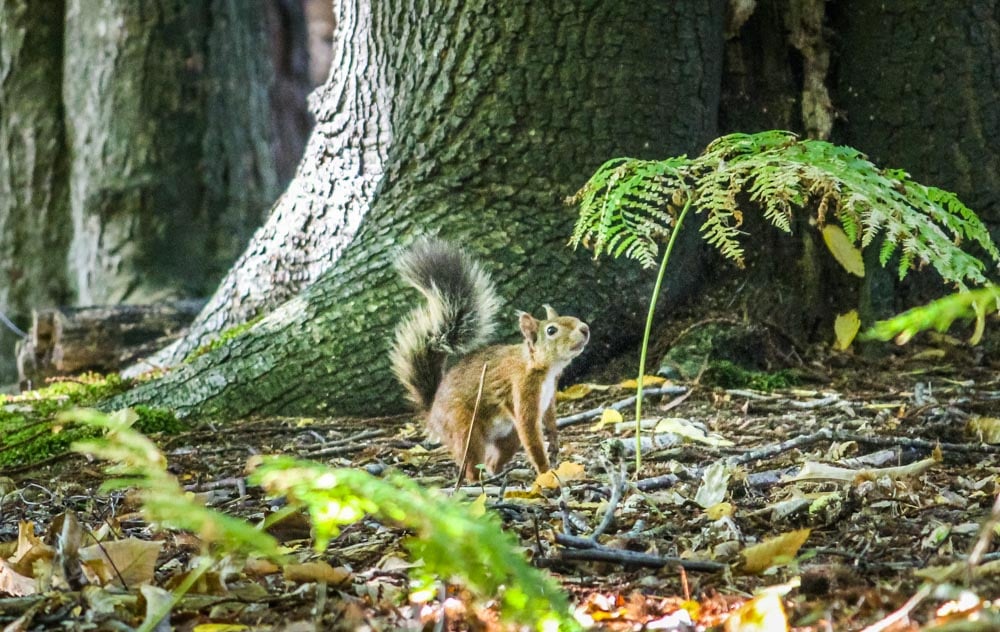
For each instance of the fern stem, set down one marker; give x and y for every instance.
(649, 329)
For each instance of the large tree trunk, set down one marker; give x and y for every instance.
(148, 182)
(34, 210)
(472, 120)
(171, 168)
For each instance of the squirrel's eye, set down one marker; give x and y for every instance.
(551, 330)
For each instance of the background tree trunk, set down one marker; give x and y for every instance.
(473, 121)
(34, 204)
(149, 181)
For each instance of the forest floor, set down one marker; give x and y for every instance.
(883, 463)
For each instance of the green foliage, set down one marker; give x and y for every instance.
(629, 205)
(222, 339)
(136, 462)
(726, 374)
(30, 428)
(452, 542)
(939, 314)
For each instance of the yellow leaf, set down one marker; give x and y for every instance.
(843, 250)
(719, 510)
(647, 380)
(577, 391)
(220, 627)
(567, 471)
(846, 328)
(773, 551)
(522, 494)
(986, 429)
(764, 613)
(608, 416)
(478, 506)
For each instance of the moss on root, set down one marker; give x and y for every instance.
(32, 430)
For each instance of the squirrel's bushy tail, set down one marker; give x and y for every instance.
(456, 319)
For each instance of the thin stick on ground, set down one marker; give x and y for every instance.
(472, 425)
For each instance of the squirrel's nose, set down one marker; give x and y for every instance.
(585, 331)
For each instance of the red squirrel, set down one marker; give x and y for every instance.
(519, 385)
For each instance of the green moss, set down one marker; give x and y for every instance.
(29, 424)
(725, 374)
(153, 420)
(222, 339)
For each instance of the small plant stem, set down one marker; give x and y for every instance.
(649, 329)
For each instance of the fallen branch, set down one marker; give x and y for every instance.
(586, 549)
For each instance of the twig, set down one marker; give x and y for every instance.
(903, 612)
(594, 413)
(823, 434)
(588, 550)
(618, 475)
(472, 425)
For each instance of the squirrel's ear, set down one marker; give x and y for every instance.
(550, 314)
(529, 327)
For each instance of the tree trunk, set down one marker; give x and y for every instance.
(931, 103)
(170, 168)
(472, 120)
(34, 211)
(148, 182)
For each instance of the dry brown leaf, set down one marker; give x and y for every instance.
(317, 572)
(774, 551)
(15, 584)
(131, 560)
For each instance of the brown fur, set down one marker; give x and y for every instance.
(511, 412)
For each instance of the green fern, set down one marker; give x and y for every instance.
(629, 206)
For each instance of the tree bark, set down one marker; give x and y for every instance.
(171, 167)
(472, 120)
(919, 84)
(34, 203)
(169, 149)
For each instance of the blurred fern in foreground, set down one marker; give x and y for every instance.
(454, 541)
(939, 315)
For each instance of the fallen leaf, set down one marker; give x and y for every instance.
(986, 429)
(689, 430)
(845, 252)
(647, 380)
(131, 561)
(774, 551)
(316, 572)
(764, 613)
(576, 391)
(714, 483)
(13, 583)
(608, 416)
(719, 510)
(567, 471)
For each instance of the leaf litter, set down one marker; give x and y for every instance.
(858, 503)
